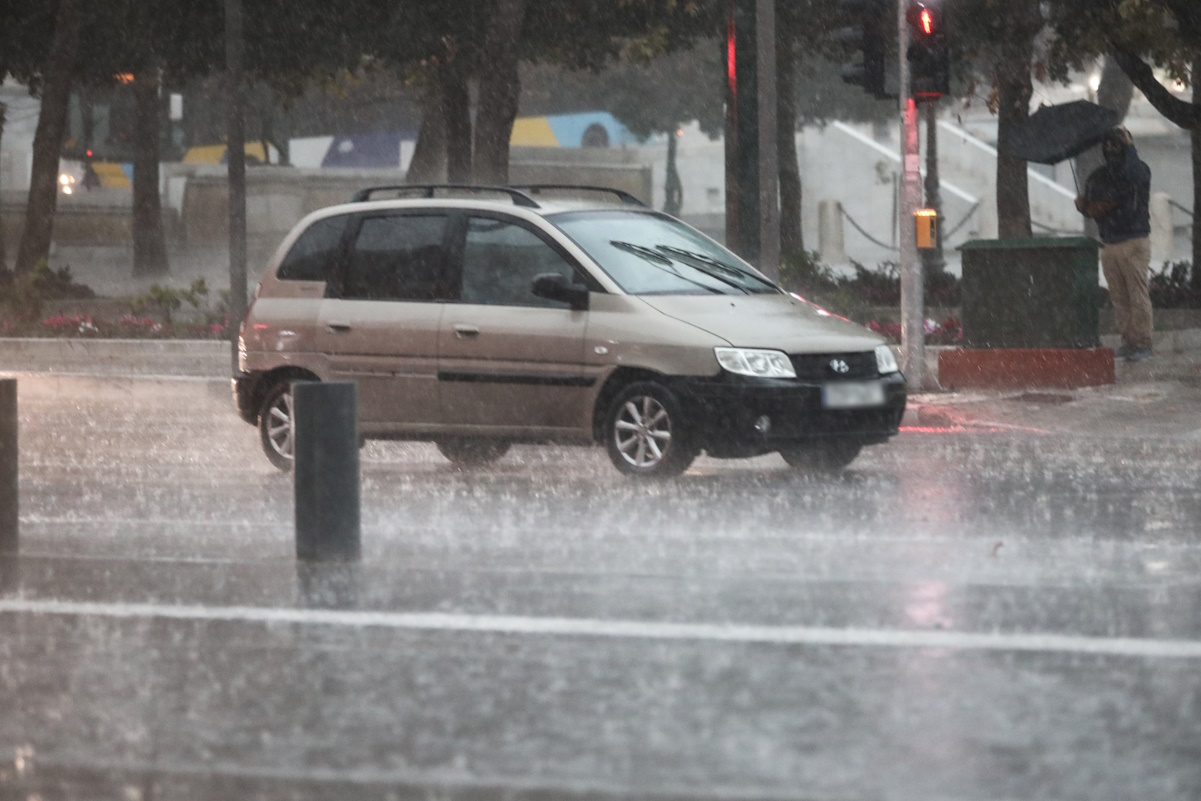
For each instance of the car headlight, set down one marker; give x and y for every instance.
(759, 363)
(885, 361)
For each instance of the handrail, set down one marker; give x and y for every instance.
(978, 143)
(943, 185)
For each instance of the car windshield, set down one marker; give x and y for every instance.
(650, 254)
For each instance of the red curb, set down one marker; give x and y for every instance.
(1022, 368)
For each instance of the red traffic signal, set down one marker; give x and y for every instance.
(928, 54)
(924, 17)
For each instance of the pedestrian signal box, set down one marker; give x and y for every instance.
(926, 222)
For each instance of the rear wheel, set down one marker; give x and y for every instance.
(472, 452)
(822, 456)
(276, 428)
(645, 433)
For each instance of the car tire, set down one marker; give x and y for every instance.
(472, 452)
(822, 456)
(645, 432)
(276, 429)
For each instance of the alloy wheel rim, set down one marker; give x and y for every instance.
(279, 425)
(642, 432)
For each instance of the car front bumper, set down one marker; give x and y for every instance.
(742, 414)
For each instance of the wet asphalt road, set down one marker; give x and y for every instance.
(980, 614)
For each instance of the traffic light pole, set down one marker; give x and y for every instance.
(913, 336)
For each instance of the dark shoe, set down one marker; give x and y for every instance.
(1123, 352)
(1139, 355)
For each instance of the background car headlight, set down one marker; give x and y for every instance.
(885, 361)
(760, 363)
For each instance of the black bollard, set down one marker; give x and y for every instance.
(8, 466)
(326, 449)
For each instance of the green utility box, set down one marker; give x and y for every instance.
(1030, 293)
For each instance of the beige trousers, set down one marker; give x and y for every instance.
(1126, 266)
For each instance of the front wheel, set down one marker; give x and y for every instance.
(276, 426)
(821, 456)
(645, 432)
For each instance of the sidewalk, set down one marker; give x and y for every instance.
(1160, 397)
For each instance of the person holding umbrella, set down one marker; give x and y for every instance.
(1117, 196)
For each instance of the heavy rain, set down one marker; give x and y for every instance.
(639, 498)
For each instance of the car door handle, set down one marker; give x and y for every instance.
(463, 331)
(339, 328)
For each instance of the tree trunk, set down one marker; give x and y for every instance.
(1196, 141)
(792, 237)
(149, 244)
(428, 164)
(456, 103)
(3, 252)
(500, 89)
(673, 190)
(1013, 90)
(48, 140)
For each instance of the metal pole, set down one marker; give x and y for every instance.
(913, 337)
(747, 155)
(326, 468)
(236, 154)
(769, 167)
(933, 258)
(8, 467)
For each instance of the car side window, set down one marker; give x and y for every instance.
(313, 254)
(398, 257)
(500, 261)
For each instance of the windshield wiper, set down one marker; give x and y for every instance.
(665, 264)
(720, 270)
(650, 254)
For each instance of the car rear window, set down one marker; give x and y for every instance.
(313, 255)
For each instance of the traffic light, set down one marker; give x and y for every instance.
(929, 61)
(867, 35)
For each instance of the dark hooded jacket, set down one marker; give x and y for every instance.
(1126, 183)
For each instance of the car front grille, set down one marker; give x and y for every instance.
(823, 366)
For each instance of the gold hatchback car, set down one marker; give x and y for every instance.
(479, 317)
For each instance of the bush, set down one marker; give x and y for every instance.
(165, 301)
(1174, 287)
(855, 296)
(22, 297)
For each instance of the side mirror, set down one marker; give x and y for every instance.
(553, 286)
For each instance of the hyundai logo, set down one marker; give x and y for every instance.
(839, 366)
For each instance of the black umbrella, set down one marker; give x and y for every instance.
(1055, 133)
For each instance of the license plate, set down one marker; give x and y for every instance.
(852, 394)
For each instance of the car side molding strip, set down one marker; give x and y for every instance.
(535, 379)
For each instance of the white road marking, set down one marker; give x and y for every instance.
(624, 629)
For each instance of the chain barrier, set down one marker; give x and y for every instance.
(866, 235)
(1176, 205)
(946, 237)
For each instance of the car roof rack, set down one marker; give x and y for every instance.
(519, 198)
(625, 197)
